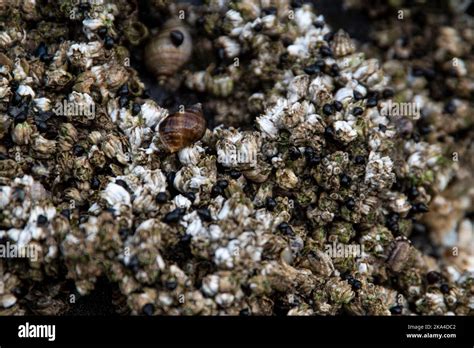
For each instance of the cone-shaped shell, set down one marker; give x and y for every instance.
(342, 44)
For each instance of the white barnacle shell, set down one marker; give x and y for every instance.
(344, 131)
(115, 195)
(19, 70)
(196, 229)
(165, 299)
(315, 121)
(286, 178)
(399, 203)
(270, 122)
(143, 200)
(361, 89)
(191, 154)
(11, 35)
(224, 300)
(95, 209)
(115, 113)
(43, 104)
(181, 202)
(83, 103)
(190, 178)
(223, 257)
(5, 39)
(303, 46)
(379, 171)
(24, 90)
(433, 302)
(5, 196)
(95, 137)
(344, 95)
(250, 9)
(215, 232)
(375, 140)
(194, 226)
(320, 89)
(210, 285)
(57, 77)
(234, 208)
(246, 32)
(298, 88)
(422, 155)
(113, 148)
(269, 22)
(221, 85)
(196, 81)
(231, 47)
(5, 90)
(43, 146)
(296, 114)
(234, 18)
(375, 117)
(367, 68)
(92, 24)
(31, 229)
(153, 180)
(152, 113)
(14, 234)
(7, 300)
(5, 122)
(304, 18)
(82, 54)
(237, 149)
(22, 133)
(350, 63)
(299, 48)
(109, 76)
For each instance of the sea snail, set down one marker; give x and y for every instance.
(182, 129)
(169, 50)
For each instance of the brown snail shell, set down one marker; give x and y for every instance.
(182, 129)
(169, 50)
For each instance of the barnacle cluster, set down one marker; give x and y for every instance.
(308, 194)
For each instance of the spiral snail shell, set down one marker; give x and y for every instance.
(169, 50)
(182, 129)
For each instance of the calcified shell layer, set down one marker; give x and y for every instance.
(316, 207)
